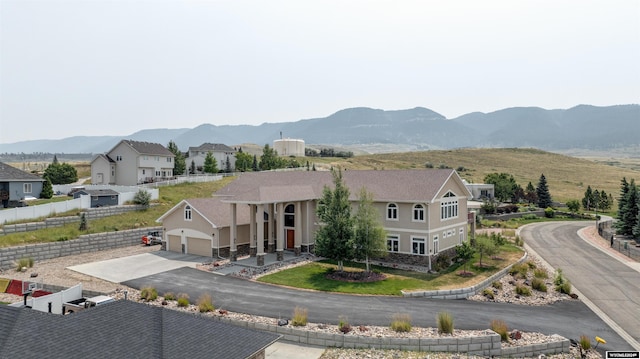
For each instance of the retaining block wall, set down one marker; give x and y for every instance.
(462, 293)
(485, 345)
(84, 244)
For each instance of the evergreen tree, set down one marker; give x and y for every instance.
(630, 214)
(622, 200)
(370, 237)
(334, 239)
(179, 162)
(588, 199)
(636, 228)
(55, 160)
(83, 222)
(227, 165)
(269, 159)
(192, 169)
(210, 164)
(47, 189)
(542, 191)
(254, 164)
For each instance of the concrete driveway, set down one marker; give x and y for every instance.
(123, 269)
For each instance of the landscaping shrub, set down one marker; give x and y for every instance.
(540, 273)
(538, 284)
(24, 262)
(498, 239)
(442, 262)
(564, 288)
(523, 290)
(205, 303)
(344, 326)
(142, 198)
(401, 323)
(529, 216)
(445, 323)
(488, 292)
(183, 300)
(496, 285)
(169, 296)
(519, 268)
(532, 265)
(500, 327)
(148, 294)
(585, 342)
(549, 212)
(518, 241)
(299, 318)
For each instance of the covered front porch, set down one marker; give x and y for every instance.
(274, 226)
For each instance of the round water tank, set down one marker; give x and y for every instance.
(289, 147)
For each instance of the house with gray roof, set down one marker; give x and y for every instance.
(16, 184)
(424, 213)
(220, 152)
(125, 329)
(132, 162)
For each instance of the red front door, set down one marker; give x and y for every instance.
(291, 236)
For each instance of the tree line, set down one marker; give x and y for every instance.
(628, 223)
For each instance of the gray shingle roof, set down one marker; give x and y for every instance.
(392, 185)
(148, 148)
(99, 192)
(205, 147)
(10, 173)
(124, 329)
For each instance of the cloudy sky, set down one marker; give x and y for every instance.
(92, 67)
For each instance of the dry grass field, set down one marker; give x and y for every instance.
(567, 177)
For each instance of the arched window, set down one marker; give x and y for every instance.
(392, 211)
(449, 206)
(289, 216)
(187, 213)
(418, 213)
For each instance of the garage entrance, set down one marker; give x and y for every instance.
(199, 246)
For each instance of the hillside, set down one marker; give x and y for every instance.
(568, 177)
(582, 127)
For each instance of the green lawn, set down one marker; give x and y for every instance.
(313, 276)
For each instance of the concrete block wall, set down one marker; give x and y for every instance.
(462, 293)
(92, 213)
(485, 345)
(84, 244)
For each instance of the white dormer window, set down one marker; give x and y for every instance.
(449, 206)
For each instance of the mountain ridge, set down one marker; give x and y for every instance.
(583, 126)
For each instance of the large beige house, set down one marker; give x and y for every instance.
(132, 162)
(424, 213)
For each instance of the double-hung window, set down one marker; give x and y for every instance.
(418, 213)
(392, 211)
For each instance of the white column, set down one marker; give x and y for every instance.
(233, 253)
(298, 229)
(280, 232)
(252, 230)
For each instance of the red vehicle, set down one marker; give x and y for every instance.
(152, 238)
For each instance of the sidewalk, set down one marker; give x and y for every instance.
(591, 236)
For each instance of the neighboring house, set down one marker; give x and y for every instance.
(220, 152)
(125, 329)
(133, 162)
(99, 197)
(16, 184)
(481, 191)
(424, 212)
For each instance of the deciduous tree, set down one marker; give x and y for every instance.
(370, 237)
(179, 162)
(465, 252)
(504, 185)
(61, 173)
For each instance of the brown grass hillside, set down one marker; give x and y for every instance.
(567, 177)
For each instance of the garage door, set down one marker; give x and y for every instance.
(174, 244)
(199, 247)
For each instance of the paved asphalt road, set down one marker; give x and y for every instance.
(610, 284)
(567, 318)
